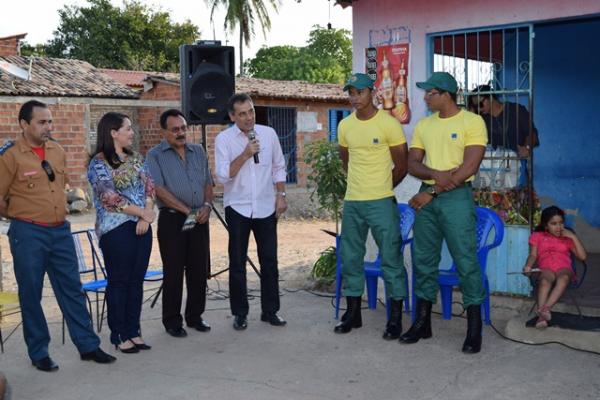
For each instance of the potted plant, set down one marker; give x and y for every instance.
(327, 182)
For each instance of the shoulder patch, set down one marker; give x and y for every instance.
(6, 146)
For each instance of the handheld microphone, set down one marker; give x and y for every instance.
(252, 136)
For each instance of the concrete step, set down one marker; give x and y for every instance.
(584, 340)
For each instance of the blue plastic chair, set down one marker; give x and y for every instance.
(487, 220)
(373, 268)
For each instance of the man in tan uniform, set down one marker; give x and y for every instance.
(32, 182)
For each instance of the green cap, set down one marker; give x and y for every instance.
(440, 80)
(359, 81)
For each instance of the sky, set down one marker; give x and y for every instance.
(290, 26)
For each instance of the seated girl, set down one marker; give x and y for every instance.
(550, 246)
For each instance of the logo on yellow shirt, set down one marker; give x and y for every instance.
(375, 140)
(454, 136)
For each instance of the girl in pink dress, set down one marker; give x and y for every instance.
(550, 246)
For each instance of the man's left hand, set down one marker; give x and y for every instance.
(280, 206)
(203, 214)
(420, 200)
(523, 151)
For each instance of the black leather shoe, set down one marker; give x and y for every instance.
(177, 332)
(273, 319)
(127, 350)
(202, 326)
(46, 364)
(98, 356)
(240, 322)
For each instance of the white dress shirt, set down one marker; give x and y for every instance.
(250, 192)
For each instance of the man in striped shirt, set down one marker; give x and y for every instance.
(184, 196)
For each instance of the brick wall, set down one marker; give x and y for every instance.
(75, 128)
(69, 130)
(9, 46)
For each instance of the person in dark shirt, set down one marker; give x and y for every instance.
(507, 123)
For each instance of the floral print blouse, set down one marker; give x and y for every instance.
(115, 189)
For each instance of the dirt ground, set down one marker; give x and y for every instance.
(300, 242)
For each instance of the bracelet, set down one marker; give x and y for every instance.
(207, 204)
(282, 194)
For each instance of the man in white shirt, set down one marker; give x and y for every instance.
(250, 165)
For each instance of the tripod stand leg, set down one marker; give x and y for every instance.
(247, 257)
(156, 296)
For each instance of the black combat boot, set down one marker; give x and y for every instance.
(393, 329)
(351, 318)
(421, 328)
(472, 342)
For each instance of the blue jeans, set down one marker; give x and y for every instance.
(37, 250)
(126, 257)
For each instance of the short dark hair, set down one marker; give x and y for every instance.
(26, 111)
(485, 88)
(171, 112)
(104, 141)
(235, 99)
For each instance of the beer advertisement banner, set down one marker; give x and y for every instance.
(388, 66)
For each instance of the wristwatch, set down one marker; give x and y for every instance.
(431, 191)
(282, 194)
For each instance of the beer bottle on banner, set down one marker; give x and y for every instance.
(387, 85)
(401, 86)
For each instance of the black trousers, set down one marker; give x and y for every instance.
(126, 257)
(183, 252)
(265, 234)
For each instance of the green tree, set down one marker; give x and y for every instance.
(243, 15)
(35, 50)
(327, 58)
(132, 37)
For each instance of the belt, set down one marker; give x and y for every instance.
(44, 224)
(170, 210)
(464, 184)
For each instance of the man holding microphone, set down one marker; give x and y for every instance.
(251, 167)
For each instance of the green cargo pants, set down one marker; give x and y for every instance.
(450, 216)
(382, 217)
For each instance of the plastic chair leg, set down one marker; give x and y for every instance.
(414, 299)
(372, 292)
(407, 301)
(446, 298)
(338, 294)
(486, 305)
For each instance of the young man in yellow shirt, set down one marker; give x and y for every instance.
(373, 151)
(453, 141)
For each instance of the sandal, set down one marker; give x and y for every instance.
(544, 313)
(541, 323)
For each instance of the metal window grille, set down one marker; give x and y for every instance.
(283, 120)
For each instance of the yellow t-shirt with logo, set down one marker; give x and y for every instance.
(444, 139)
(370, 161)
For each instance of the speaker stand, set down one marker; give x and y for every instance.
(223, 222)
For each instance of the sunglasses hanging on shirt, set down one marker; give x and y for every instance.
(48, 170)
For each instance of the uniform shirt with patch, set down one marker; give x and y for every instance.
(370, 161)
(444, 139)
(24, 184)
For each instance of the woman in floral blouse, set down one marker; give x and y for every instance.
(124, 201)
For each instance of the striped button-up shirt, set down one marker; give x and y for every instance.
(250, 192)
(185, 179)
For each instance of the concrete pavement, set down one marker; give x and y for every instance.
(306, 360)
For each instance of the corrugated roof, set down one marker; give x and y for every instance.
(61, 77)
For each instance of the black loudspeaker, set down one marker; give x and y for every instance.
(207, 82)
